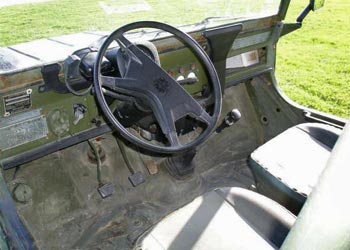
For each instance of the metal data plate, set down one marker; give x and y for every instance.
(23, 132)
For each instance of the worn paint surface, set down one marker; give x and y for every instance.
(65, 201)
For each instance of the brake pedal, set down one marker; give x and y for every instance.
(137, 177)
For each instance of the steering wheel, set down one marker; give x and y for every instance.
(143, 78)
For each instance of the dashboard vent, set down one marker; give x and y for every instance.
(17, 102)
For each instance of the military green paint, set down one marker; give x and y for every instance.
(47, 102)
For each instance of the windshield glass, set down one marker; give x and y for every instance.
(26, 20)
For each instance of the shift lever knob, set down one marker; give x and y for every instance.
(232, 117)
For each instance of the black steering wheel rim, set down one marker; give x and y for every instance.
(204, 59)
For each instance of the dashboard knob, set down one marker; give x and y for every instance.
(192, 75)
(180, 78)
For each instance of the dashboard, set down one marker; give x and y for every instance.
(39, 115)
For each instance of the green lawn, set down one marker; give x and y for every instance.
(312, 65)
(26, 22)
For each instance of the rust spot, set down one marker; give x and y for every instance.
(112, 230)
(20, 79)
(92, 157)
(151, 166)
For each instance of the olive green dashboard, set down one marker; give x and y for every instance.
(32, 117)
(37, 118)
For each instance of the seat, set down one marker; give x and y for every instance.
(235, 218)
(288, 166)
(223, 219)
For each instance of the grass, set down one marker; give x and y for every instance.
(20, 23)
(312, 63)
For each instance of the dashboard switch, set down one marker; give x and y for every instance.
(192, 75)
(79, 110)
(191, 79)
(180, 78)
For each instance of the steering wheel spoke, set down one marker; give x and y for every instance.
(174, 105)
(167, 125)
(173, 139)
(119, 84)
(205, 117)
(123, 42)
